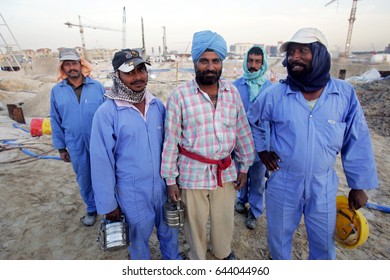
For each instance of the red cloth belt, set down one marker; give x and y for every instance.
(222, 164)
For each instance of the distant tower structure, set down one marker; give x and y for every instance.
(124, 29)
(143, 37)
(351, 20)
(165, 48)
(82, 39)
(11, 61)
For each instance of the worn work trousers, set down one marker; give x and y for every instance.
(218, 205)
(290, 195)
(253, 190)
(82, 168)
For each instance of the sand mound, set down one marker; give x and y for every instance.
(375, 100)
(19, 84)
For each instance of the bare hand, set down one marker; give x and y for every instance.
(357, 199)
(240, 182)
(114, 215)
(65, 156)
(173, 193)
(270, 160)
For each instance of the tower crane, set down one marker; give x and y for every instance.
(351, 20)
(82, 26)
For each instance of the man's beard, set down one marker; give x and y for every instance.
(204, 78)
(307, 69)
(73, 74)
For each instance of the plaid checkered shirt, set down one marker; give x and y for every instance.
(194, 123)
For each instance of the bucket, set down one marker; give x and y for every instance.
(174, 213)
(113, 235)
(40, 126)
(46, 127)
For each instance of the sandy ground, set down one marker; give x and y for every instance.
(40, 206)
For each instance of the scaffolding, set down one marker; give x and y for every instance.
(11, 55)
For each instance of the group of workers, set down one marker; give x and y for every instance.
(218, 146)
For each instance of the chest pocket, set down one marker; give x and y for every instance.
(229, 115)
(334, 134)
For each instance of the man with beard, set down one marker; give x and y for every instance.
(250, 86)
(313, 117)
(205, 124)
(126, 143)
(73, 102)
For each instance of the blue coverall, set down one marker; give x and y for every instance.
(71, 124)
(308, 143)
(125, 159)
(253, 190)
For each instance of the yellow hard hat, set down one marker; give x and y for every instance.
(351, 226)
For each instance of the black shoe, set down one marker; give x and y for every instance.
(231, 257)
(240, 208)
(250, 220)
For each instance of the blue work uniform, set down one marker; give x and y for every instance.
(308, 142)
(125, 160)
(253, 190)
(71, 123)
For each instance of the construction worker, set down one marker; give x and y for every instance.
(313, 117)
(73, 103)
(251, 85)
(126, 144)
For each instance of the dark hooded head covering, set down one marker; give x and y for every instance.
(321, 62)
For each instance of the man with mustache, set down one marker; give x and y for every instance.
(126, 144)
(313, 118)
(205, 124)
(251, 85)
(73, 102)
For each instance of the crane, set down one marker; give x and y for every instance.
(165, 49)
(10, 60)
(81, 26)
(351, 20)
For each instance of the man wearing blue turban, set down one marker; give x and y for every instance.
(205, 123)
(208, 40)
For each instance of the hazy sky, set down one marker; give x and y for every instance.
(40, 23)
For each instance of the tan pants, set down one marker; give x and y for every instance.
(218, 204)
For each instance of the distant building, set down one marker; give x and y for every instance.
(272, 50)
(380, 58)
(387, 49)
(240, 48)
(100, 54)
(44, 52)
(29, 53)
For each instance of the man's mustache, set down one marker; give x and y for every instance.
(210, 72)
(137, 82)
(298, 64)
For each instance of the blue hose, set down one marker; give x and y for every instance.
(382, 208)
(9, 141)
(27, 152)
(17, 126)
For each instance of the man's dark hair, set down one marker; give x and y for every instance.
(256, 51)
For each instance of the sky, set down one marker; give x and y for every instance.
(41, 23)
